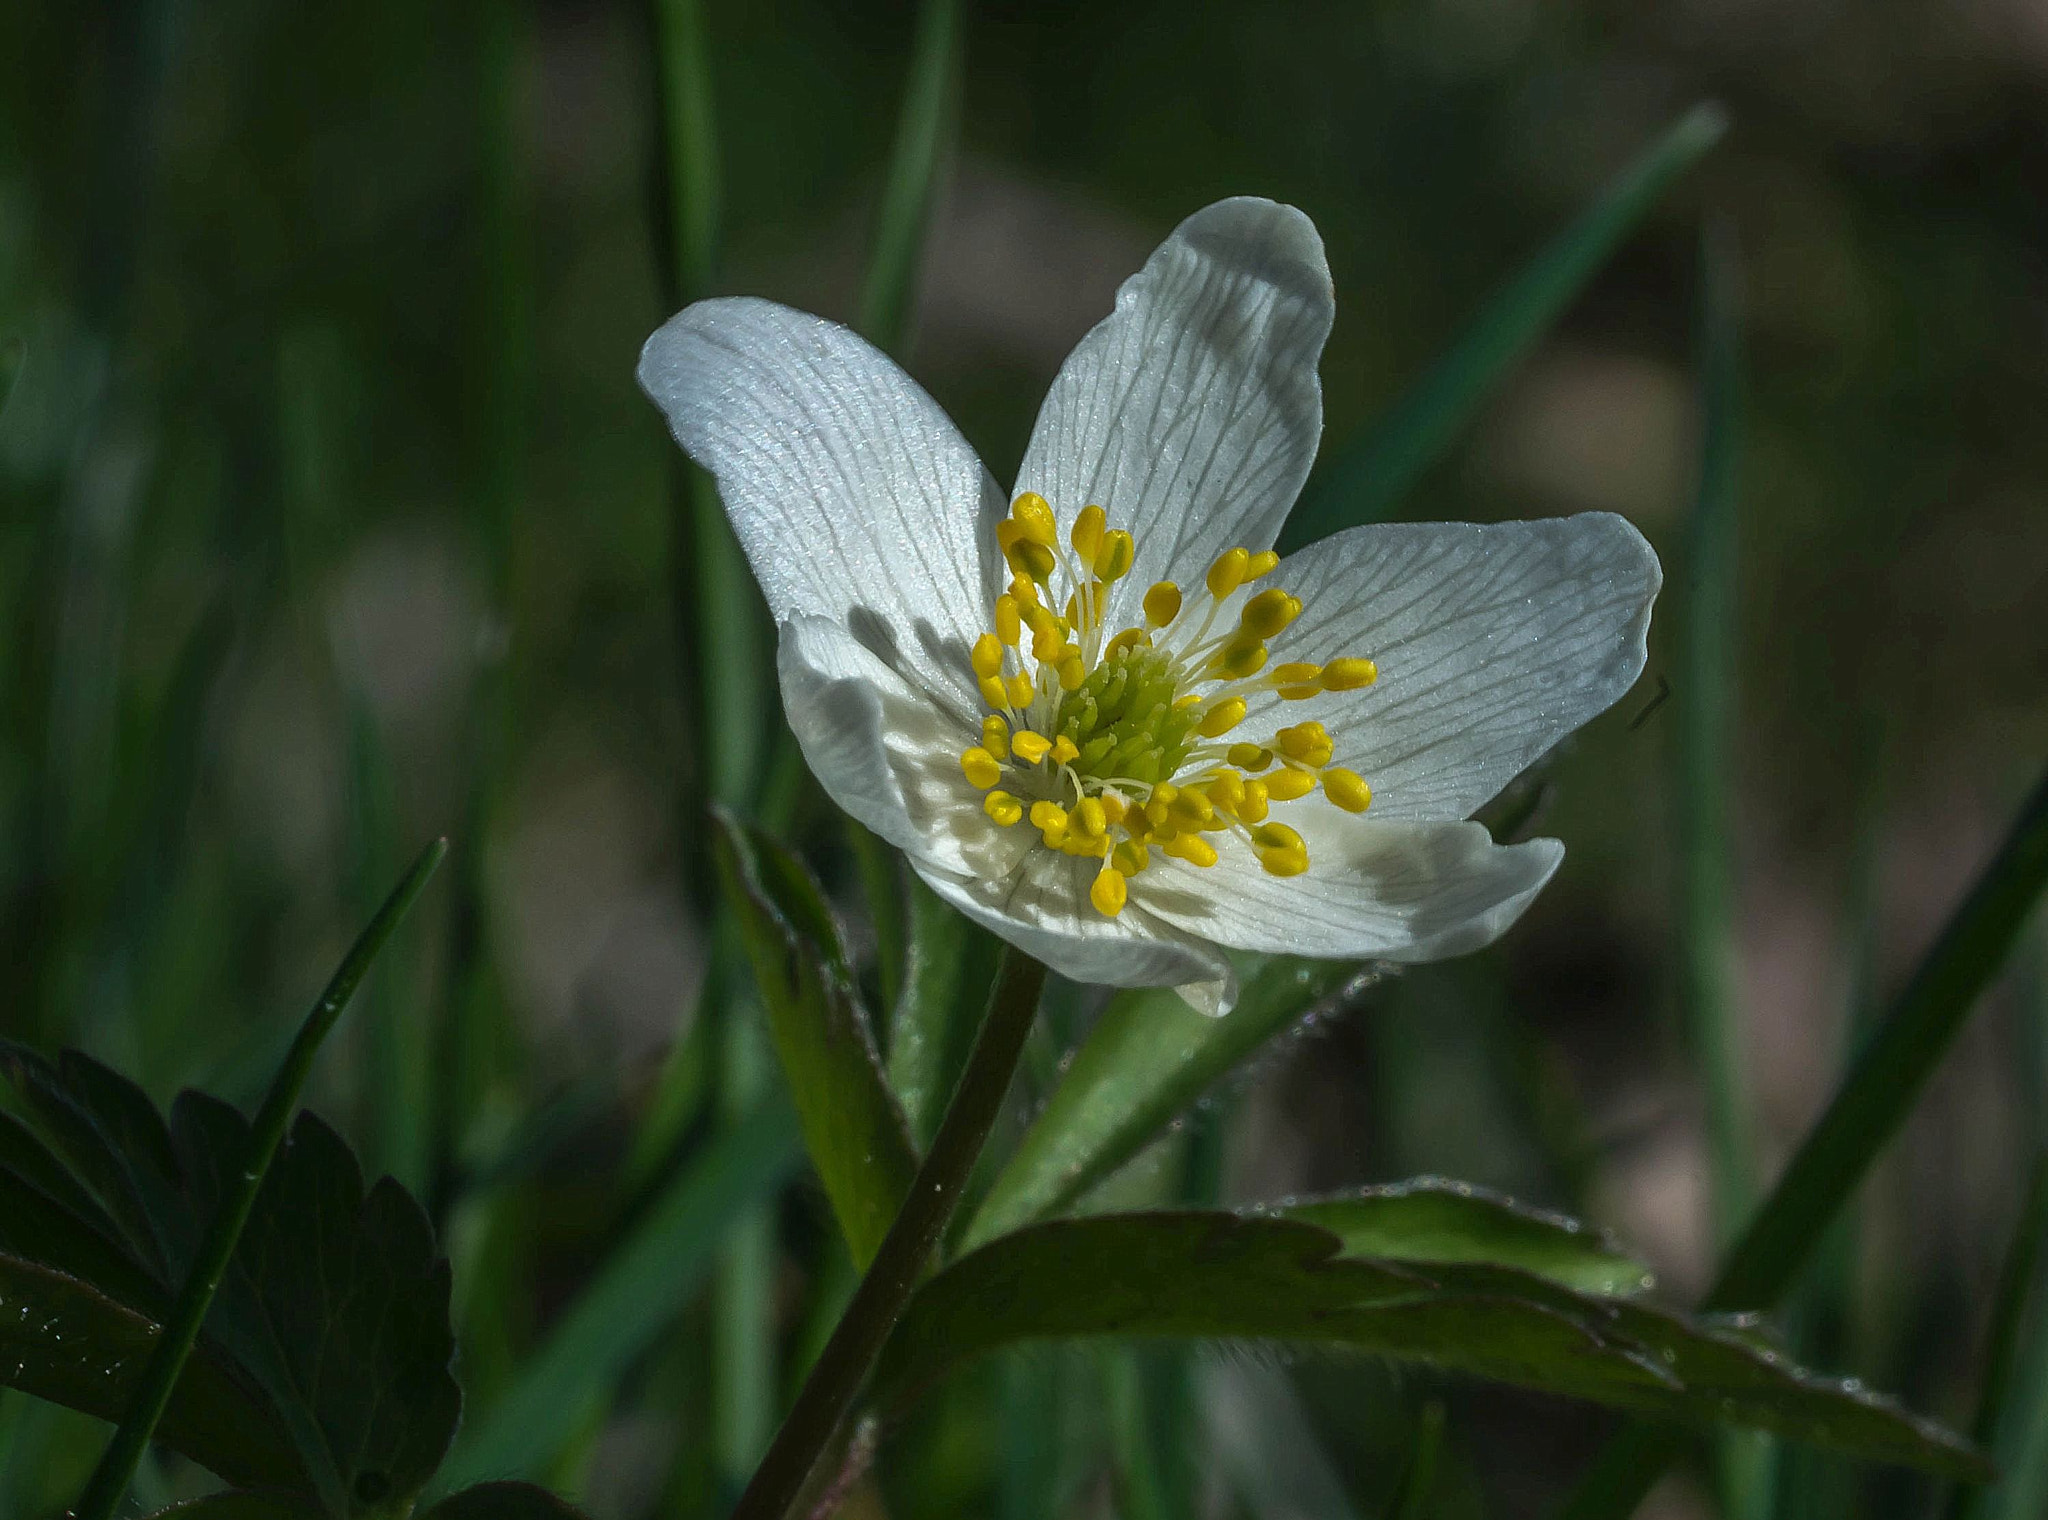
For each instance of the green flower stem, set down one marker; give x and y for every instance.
(828, 1393)
(110, 1479)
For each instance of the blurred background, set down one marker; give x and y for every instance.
(331, 519)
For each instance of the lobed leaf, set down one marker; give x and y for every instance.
(1148, 1059)
(853, 1127)
(1218, 1276)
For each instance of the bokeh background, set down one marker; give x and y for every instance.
(331, 519)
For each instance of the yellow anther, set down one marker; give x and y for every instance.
(1249, 757)
(1227, 574)
(995, 736)
(1286, 784)
(1306, 742)
(1192, 809)
(1130, 638)
(1162, 604)
(1349, 674)
(1113, 560)
(980, 768)
(1086, 534)
(1089, 818)
(1033, 514)
(1295, 673)
(1021, 689)
(1130, 857)
(1262, 563)
(1239, 658)
(1113, 807)
(1009, 620)
(1025, 556)
(1030, 747)
(1050, 819)
(1064, 751)
(1253, 808)
(988, 655)
(1192, 848)
(1226, 790)
(1002, 807)
(1221, 718)
(1267, 613)
(1109, 892)
(1020, 584)
(1276, 836)
(1347, 789)
(1072, 671)
(995, 693)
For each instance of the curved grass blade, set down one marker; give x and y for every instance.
(1148, 1058)
(1867, 1110)
(1370, 473)
(858, 1139)
(921, 133)
(110, 1479)
(636, 1294)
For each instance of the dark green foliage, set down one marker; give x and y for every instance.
(324, 1368)
(1214, 1276)
(853, 1126)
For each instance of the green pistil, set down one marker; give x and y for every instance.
(1122, 719)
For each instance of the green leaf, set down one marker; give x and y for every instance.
(13, 359)
(1369, 473)
(503, 1501)
(641, 1288)
(240, 1505)
(65, 1341)
(1216, 1276)
(855, 1132)
(948, 961)
(1431, 1219)
(1148, 1058)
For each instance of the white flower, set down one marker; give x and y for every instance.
(1089, 713)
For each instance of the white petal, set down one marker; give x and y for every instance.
(1374, 889)
(1493, 641)
(1191, 414)
(885, 752)
(1042, 908)
(854, 495)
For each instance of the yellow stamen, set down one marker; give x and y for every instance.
(1349, 674)
(988, 656)
(1347, 789)
(1249, 757)
(1267, 613)
(1162, 604)
(995, 736)
(1050, 819)
(1088, 529)
(1009, 620)
(1109, 892)
(1002, 807)
(1221, 718)
(1032, 513)
(1192, 848)
(1253, 808)
(981, 768)
(1113, 560)
(1030, 747)
(1286, 784)
(1021, 690)
(996, 694)
(1063, 751)
(1228, 573)
(1239, 658)
(1262, 563)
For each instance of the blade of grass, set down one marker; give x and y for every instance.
(2018, 1284)
(1707, 702)
(109, 1480)
(1867, 1110)
(642, 1286)
(921, 133)
(1368, 474)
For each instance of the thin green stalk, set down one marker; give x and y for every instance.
(1366, 476)
(1867, 1110)
(921, 133)
(2018, 1284)
(1418, 1483)
(827, 1397)
(1706, 724)
(109, 1480)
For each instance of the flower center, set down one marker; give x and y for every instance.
(1118, 746)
